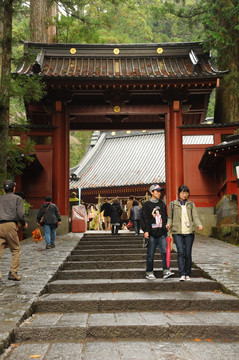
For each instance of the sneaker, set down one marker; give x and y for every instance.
(48, 246)
(53, 245)
(167, 273)
(182, 278)
(13, 276)
(150, 277)
(187, 278)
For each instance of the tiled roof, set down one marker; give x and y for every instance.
(122, 160)
(110, 61)
(213, 155)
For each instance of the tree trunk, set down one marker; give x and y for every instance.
(52, 12)
(38, 13)
(227, 97)
(4, 84)
(41, 21)
(227, 105)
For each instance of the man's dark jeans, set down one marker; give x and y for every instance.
(152, 244)
(184, 245)
(136, 226)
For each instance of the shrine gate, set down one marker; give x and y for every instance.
(134, 86)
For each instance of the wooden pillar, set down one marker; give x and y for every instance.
(61, 159)
(174, 151)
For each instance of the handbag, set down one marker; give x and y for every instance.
(36, 235)
(129, 225)
(41, 222)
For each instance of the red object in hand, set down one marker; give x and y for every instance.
(168, 251)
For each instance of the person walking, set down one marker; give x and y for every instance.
(11, 212)
(153, 223)
(182, 220)
(51, 221)
(106, 213)
(115, 214)
(135, 216)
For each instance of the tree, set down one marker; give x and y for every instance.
(220, 21)
(5, 74)
(42, 25)
(10, 86)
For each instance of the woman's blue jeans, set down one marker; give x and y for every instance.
(50, 234)
(184, 245)
(152, 244)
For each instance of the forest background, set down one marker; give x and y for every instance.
(214, 22)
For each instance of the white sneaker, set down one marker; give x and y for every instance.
(167, 273)
(182, 278)
(150, 277)
(187, 278)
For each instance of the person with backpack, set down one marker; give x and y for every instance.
(182, 221)
(50, 214)
(153, 223)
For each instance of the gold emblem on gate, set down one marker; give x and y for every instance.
(159, 50)
(116, 51)
(117, 109)
(72, 50)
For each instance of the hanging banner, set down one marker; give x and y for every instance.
(79, 192)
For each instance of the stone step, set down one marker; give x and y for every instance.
(136, 301)
(108, 235)
(98, 246)
(115, 251)
(112, 239)
(112, 349)
(166, 325)
(114, 274)
(140, 264)
(111, 264)
(113, 285)
(114, 257)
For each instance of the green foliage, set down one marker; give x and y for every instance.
(79, 143)
(104, 21)
(218, 30)
(211, 105)
(18, 157)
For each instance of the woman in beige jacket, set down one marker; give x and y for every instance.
(182, 220)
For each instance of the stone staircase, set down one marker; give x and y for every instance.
(101, 295)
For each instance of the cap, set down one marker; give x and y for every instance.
(155, 187)
(8, 185)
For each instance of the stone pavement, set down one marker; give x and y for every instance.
(38, 266)
(219, 260)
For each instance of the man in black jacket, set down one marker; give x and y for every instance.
(11, 212)
(106, 208)
(153, 223)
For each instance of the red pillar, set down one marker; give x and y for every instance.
(61, 160)
(174, 151)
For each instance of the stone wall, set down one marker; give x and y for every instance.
(227, 228)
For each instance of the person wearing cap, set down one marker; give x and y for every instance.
(11, 212)
(182, 220)
(153, 223)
